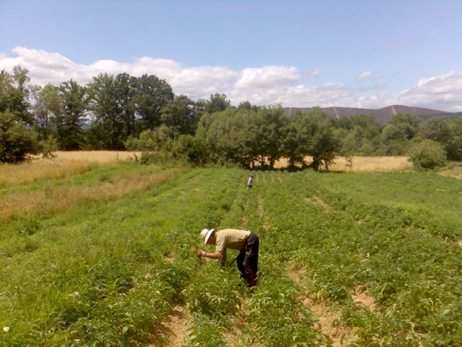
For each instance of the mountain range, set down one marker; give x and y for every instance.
(383, 114)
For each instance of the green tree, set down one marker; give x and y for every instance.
(454, 147)
(181, 114)
(271, 129)
(406, 125)
(150, 140)
(325, 143)
(71, 120)
(437, 129)
(394, 140)
(296, 145)
(316, 136)
(222, 136)
(47, 109)
(398, 132)
(105, 125)
(216, 103)
(151, 95)
(362, 134)
(124, 106)
(15, 94)
(16, 140)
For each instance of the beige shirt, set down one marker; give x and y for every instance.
(231, 238)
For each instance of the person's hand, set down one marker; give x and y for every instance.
(200, 252)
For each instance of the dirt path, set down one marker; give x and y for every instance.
(329, 316)
(178, 325)
(173, 332)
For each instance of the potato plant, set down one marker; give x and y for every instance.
(111, 272)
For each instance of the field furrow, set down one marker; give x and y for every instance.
(345, 259)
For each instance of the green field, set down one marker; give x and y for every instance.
(345, 259)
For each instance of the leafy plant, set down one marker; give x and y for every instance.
(427, 155)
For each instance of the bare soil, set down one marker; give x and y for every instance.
(173, 332)
(329, 316)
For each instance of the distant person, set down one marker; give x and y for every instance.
(244, 241)
(250, 182)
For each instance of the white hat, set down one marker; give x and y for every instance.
(205, 234)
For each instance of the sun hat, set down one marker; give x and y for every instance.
(205, 234)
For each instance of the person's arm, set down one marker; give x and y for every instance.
(214, 255)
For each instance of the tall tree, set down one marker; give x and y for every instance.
(106, 127)
(325, 144)
(151, 95)
(271, 122)
(124, 106)
(437, 129)
(15, 94)
(216, 103)
(296, 144)
(406, 125)
(181, 114)
(319, 138)
(454, 147)
(70, 123)
(125, 91)
(46, 110)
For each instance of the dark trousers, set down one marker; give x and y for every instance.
(247, 260)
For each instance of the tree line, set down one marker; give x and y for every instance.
(143, 113)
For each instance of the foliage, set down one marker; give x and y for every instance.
(16, 140)
(71, 120)
(48, 146)
(111, 272)
(15, 94)
(216, 103)
(116, 112)
(427, 155)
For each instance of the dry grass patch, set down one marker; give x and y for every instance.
(65, 164)
(454, 171)
(52, 199)
(98, 156)
(29, 172)
(316, 200)
(363, 164)
(372, 164)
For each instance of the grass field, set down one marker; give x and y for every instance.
(102, 257)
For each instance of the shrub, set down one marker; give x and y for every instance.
(16, 140)
(48, 146)
(427, 155)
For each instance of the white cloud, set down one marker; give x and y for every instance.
(267, 85)
(282, 76)
(442, 92)
(363, 75)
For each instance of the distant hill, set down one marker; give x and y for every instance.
(382, 114)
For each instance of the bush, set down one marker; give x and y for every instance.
(427, 155)
(48, 146)
(16, 140)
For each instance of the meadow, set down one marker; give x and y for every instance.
(100, 254)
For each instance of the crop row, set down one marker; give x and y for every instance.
(113, 272)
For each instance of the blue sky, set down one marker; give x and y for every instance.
(348, 53)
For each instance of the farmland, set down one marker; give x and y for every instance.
(102, 256)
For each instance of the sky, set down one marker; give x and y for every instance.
(344, 53)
